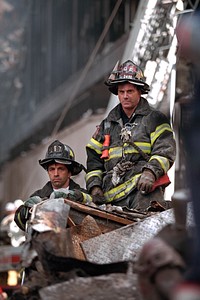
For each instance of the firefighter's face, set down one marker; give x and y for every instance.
(59, 175)
(129, 96)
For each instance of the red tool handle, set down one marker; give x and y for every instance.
(163, 181)
(105, 152)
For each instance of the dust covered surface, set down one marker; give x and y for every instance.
(113, 286)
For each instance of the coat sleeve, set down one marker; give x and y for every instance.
(20, 217)
(86, 197)
(95, 164)
(163, 145)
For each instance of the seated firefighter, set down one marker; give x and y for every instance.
(132, 148)
(60, 164)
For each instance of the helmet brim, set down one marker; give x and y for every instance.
(74, 167)
(113, 85)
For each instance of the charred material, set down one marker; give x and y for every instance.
(54, 269)
(53, 264)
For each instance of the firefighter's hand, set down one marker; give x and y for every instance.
(57, 195)
(98, 200)
(75, 195)
(146, 181)
(97, 191)
(97, 195)
(32, 201)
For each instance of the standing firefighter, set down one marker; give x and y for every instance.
(133, 148)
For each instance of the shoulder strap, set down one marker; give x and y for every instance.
(144, 155)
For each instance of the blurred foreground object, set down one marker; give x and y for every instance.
(188, 36)
(188, 48)
(9, 231)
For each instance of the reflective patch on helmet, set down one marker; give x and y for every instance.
(71, 153)
(55, 149)
(139, 75)
(129, 70)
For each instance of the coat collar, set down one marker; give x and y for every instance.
(142, 109)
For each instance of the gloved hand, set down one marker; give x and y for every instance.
(32, 200)
(22, 214)
(97, 195)
(75, 195)
(56, 195)
(98, 200)
(96, 191)
(146, 181)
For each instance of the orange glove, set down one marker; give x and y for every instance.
(146, 181)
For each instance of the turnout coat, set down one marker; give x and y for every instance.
(150, 131)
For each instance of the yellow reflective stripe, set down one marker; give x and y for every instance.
(144, 146)
(97, 173)
(86, 198)
(95, 145)
(121, 190)
(164, 162)
(116, 152)
(159, 130)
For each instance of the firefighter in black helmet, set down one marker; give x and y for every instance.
(132, 148)
(61, 153)
(60, 164)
